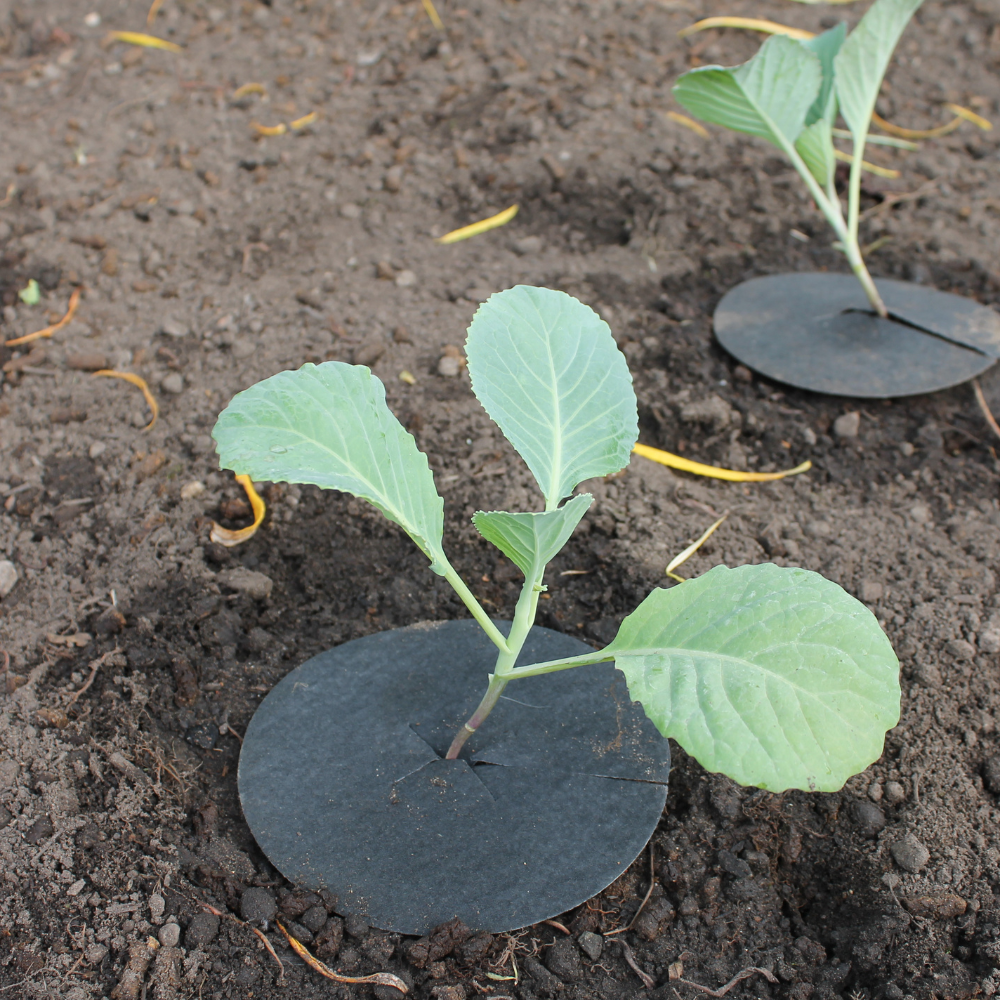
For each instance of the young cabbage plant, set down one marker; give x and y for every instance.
(774, 676)
(790, 92)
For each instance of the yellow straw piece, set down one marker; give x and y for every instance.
(229, 537)
(872, 168)
(750, 23)
(483, 226)
(916, 133)
(280, 129)
(690, 551)
(304, 122)
(146, 41)
(141, 384)
(433, 15)
(970, 116)
(154, 9)
(686, 465)
(74, 301)
(690, 123)
(249, 88)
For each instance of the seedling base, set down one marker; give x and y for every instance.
(817, 332)
(343, 782)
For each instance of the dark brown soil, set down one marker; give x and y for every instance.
(210, 259)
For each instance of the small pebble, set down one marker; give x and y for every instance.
(314, 918)
(300, 932)
(173, 383)
(370, 351)
(870, 820)
(921, 513)
(356, 925)
(257, 905)
(8, 577)
(733, 865)
(192, 490)
(991, 774)
(97, 449)
(906, 449)
(89, 362)
(936, 906)
(174, 328)
(527, 245)
(169, 935)
(204, 737)
(156, 907)
(960, 649)
(247, 581)
(393, 179)
(40, 830)
(406, 279)
(591, 944)
(563, 960)
(350, 211)
(930, 435)
(243, 349)
(201, 931)
(847, 425)
(449, 367)
(5, 818)
(743, 374)
(910, 854)
(894, 793)
(95, 953)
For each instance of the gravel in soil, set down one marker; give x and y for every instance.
(210, 257)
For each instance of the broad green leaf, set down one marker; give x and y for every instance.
(775, 677)
(548, 371)
(863, 59)
(815, 146)
(531, 540)
(768, 96)
(825, 47)
(329, 425)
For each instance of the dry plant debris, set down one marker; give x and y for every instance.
(140, 384)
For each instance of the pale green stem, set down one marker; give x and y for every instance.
(851, 247)
(551, 666)
(829, 205)
(469, 600)
(524, 618)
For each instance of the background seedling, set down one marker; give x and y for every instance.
(790, 93)
(774, 676)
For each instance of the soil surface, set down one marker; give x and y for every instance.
(209, 257)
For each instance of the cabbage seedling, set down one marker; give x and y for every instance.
(774, 676)
(790, 92)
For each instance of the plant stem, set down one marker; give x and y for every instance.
(524, 618)
(829, 204)
(851, 247)
(853, 253)
(493, 692)
(567, 663)
(469, 600)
